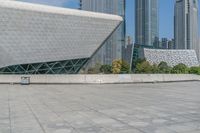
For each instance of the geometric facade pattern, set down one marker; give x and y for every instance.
(58, 67)
(171, 57)
(39, 39)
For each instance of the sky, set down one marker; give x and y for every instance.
(166, 14)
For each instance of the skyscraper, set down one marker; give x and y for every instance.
(186, 25)
(146, 22)
(146, 28)
(164, 42)
(112, 49)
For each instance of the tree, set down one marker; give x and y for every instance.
(144, 67)
(180, 69)
(164, 68)
(154, 68)
(120, 66)
(116, 66)
(195, 70)
(137, 61)
(106, 69)
(125, 67)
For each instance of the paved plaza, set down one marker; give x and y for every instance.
(127, 108)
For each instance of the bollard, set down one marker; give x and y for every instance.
(25, 80)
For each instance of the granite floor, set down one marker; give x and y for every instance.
(127, 108)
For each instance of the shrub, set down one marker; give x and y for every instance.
(106, 69)
(125, 67)
(164, 68)
(137, 61)
(95, 69)
(180, 69)
(155, 68)
(116, 66)
(120, 66)
(195, 70)
(144, 67)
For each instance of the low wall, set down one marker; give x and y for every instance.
(104, 79)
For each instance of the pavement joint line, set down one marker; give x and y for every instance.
(113, 118)
(9, 111)
(178, 105)
(97, 112)
(58, 115)
(65, 120)
(122, 121)
(35, 116)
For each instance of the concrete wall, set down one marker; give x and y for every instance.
(104, 79)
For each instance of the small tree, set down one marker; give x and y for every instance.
(120, 66)
(164, 68)
(195, 70)
(116, 66)
(154, 68)
(180, 69)
(106, 69)
(125, 67)
(144, 67)
(137, 61)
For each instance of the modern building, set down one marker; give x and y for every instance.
(186, 24)
(38, 39)
(147, 22)
(171, 44)
(146, 27)
(164, 43)
(112, 48)
(171, 57)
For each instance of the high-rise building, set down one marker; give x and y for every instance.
(146, 28)
(112, 49)
(186, 25)
(164, 42)
(147, 23)
(171, 44)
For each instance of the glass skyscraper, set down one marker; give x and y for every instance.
(146, 28)
(186, 25)
(146, 22)
(112, 49)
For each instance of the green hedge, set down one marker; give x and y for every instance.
(163, 68)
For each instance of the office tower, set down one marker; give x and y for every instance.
(186, 25)
(112, 49)
(171, 44)
(146, 28)
(164, 42)
(146, 22)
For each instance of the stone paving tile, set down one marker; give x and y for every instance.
(185, 127)
(137, 108)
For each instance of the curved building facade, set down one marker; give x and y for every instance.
(38, 39)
